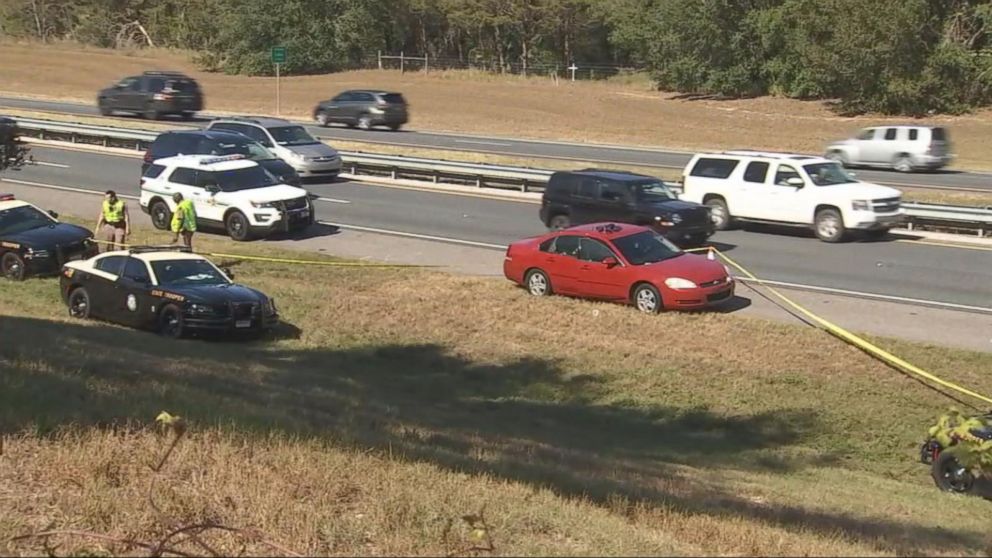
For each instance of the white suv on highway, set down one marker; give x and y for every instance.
(903, 148)
(229, 192)
(789, 189)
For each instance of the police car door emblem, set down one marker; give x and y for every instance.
(132, 302)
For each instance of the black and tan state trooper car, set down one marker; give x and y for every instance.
(33, 242)
(172, 291)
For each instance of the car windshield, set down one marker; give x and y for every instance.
(653, 191)
(24, 218)
(177, 273)
(828, 174)
(245, 179)
(646, 247)
(292, 135)
(251, 149)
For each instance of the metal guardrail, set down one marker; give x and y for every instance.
(976, 219)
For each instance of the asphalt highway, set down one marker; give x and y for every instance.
(895, 268)
(594, 153)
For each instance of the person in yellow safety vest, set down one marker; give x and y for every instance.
(113, 226)
(183, 220)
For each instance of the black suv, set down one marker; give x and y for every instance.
(216, 142)
(593, 196)
(363, 108)
(152, 95)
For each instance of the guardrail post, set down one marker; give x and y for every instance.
(392, 173)
(436, 176)
(523, 186)
(478, 181)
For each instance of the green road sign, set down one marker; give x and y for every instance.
(278, 55)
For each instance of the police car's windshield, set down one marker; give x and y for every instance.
(653, 192)
(178, 273)
(24, 218)
(646, 247)
(244, 179)
(828, 174)
(292, 135)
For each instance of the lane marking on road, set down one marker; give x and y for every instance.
(416, 236)
(47, 164)
(946, 244)
(63, 188)
(333, 200)
(875, 296)
(477, 142)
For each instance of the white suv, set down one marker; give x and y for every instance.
(791, 189)
(903, 148)
(229, 192)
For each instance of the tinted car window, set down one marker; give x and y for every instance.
(136, 270)
(914, 134)
(154, 171)
(134, 85)
(938, 134)
(567, 246)
(714, 168)
(243, 179)
(156, 84)
(646, 247)
(547, 245)
(183, 176)
(23, 218)
(176, 273)
(784, 173)
(110, 264)
(756, 171)
(587, 188)
(291, 135)
(613, 192)
(890, 134)
(592, 250)
(182, 85)
(364, 97)
(394, 98)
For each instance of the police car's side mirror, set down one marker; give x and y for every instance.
(212, 188)
(53, 214)
(227, 271)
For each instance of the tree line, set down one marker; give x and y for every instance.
(891, 56)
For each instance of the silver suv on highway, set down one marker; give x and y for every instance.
(291, 142)
(903, 148)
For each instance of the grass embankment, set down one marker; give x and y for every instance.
(623, 111)
(398, 401)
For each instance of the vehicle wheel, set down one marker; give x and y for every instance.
(719, 213)
(538, 283)
(170, 322)
(877, 234)
(559, 222)
(150, 113)
(647, 299)
(161, 215)
(903, 163)
(395, 127)
(950, 476)
(839, 157)
(829, 226)
(12, 266)
(323, 119)
(79, 303)
(365, 122)
(237, 226)
(103, 108)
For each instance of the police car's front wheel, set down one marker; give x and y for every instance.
(170, 322)
(12, 266)
(79, 303)
(237, 226)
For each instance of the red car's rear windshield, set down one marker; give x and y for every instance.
(646, 247)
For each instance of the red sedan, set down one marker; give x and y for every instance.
(620, 262)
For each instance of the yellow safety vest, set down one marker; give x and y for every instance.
(113, 213)
(184, 218)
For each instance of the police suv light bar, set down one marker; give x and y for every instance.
(221, 159)
(163, 248)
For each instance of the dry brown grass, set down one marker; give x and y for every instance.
(396, 401)
(611, 112)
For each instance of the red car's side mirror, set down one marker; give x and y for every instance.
(610, 261)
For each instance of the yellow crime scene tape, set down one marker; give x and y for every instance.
(124, 246)
(863, 344)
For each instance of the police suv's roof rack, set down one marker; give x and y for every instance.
(163, 248)
(164, 73)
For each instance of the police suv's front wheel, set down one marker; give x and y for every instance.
(237, 226)
(161, 216)
(170, 322)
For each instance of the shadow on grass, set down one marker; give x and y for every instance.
(526, 420)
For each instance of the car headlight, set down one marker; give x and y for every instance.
(665, 221)
(860, 205)
(270, 306)
(263, 205)
(32, 253)
(679, 283)
(676, 218)
(200, 309)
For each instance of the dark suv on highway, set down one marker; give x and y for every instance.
(594, 196)
(152, 95)
(364, 109)
(216, 142)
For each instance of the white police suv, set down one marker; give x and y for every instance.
(229, 192)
